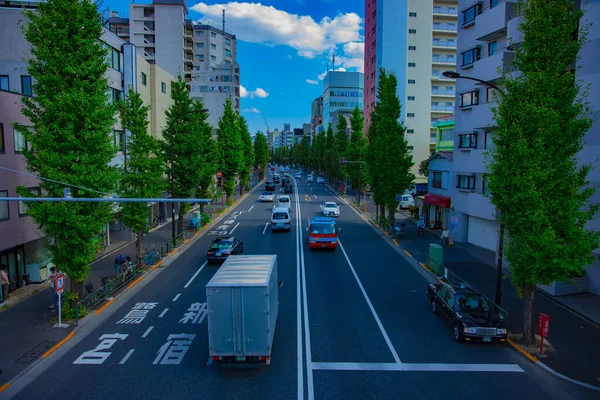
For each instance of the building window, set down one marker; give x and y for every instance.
(20, 142)
(213, 35)
(465, 182)
(410, 115)
(144, 79)
(113, 57)
(22, 206)
(26, 85)
(163, 87)
(411, 81)
(410, 131)
(412, 31)
(2, 148)
(471, 13)
(119, 140)
(200, 57)
(213, 46)
(470, 56)
(487, 140)
(412, 65)
(228, 62)
(411, 98)
(116, 95)
(437, 180)
(228, 42)
(492, 48)
(469, 99)
(490, 94)
(412, 48)
(446, 135)
(485, 183)
(4, 83)
(494, 3)
(213, 58)
(4, 213)
(199, 33)
(412, 14)
(410, 149)
(200, 45)
(467, 141)
(227, 53)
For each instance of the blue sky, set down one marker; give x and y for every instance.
(284, 47)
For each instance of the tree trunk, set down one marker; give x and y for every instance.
(241, 189)
(528, 315)
(77, 288)
(382, 210)
(138, 244)
(180, 220)
(392, 216)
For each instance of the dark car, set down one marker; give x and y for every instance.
(276, 179)
(288, 189)
(286, 181)
(223, 247)
(269, 185)
(472, 316)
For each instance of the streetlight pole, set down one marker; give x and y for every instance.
(498, 296)
(172, 130)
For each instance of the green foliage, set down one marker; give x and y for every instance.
(302, 153)
(388, 158)
(141, 174)
(262, 154)
(424, 167)
(247, 151)
(206, 162)
(331, 159)
(230, 147)
(356, 151)
(70, 128)
(205, 219)
(341, 145)
(67, 308)
(537, 182)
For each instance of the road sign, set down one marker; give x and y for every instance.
(59, 283)
(219, 174)
(543, 329)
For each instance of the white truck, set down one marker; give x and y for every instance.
(242, 301)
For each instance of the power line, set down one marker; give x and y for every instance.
(52, 180)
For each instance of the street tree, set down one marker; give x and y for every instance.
(248, 153)
(389, 158)
(69, 136)
(541, 123)
(262, 154)
(143, 167)
(356, 151)
(229, 143)
(424, 167)
(341, 144)
(206, 160)
(330, 155)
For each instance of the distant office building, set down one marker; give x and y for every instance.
(316, 115)
(335, 116)
(342, 91)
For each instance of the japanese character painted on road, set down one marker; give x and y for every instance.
(223, 228)
(144, 306)
(174, 350)
(97, 356)
(137, 313)
(212, 233)
(229, 222)
(196, 314)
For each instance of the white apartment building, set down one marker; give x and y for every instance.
(486, 29)
(426, 30)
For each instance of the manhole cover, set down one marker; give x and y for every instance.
(36, 352)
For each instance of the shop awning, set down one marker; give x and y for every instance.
(437, 200)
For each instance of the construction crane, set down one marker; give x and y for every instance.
(265, 118)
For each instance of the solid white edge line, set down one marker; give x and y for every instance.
(300, 356)
(266, 225)
(163, 313)
(234, 228)
(176, 297)
(195, 275)
(129, 353)
(315, 195)
(147, 331)
(362, 289)
(251, 208)
(422, 367)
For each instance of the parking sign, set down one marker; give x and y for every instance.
(59, 283)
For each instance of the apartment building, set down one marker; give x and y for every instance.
(486, 31)
(342, 91)
(204, 55)
(416, 40)
(316, 115)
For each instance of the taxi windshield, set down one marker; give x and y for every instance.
(322, 229)
(470, 302)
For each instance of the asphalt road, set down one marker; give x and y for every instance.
(353, 324)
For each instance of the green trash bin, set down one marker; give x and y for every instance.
(436, 258)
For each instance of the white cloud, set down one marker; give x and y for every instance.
(258, 23)
(322, 76)
(259, 92)
(289, 56)
(251, 110)
(312, 82)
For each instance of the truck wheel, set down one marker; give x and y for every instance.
(457, 334)
(433, 307)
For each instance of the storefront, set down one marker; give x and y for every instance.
(437, 210)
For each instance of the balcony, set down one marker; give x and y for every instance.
(444, 43)
(442, 108)
(444, 27)
(433, 138)
(445, 11)
(486, 68)
(440, 77)
(443, 60)
(491, 23)
(443, 92)
(513, 35)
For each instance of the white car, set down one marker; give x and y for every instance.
(320, 180)
(330, 209)
(283, 201)
(299, 175)
(309, 178)
(406, 200)
(267, 196)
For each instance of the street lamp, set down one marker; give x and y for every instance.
(498, 297)
(173, 233)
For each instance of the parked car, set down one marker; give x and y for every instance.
(406, 200)
(472, 316)
(320, 180)
(270, 186)
(283, 202)
(330, 209)
(288, 189)
(267, 196)
(222, 247)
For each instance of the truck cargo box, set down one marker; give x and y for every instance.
(242, 301)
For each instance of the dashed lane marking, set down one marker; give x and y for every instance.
(147, 331)
(129, 353)
(163, 313)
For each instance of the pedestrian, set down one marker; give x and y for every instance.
(5, 281)
(118, 261)
(54, 295)
(446, 237)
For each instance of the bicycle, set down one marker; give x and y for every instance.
(150, 257)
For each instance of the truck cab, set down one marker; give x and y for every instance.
(322, 233)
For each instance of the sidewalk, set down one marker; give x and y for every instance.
(26, 322)
(575, 319)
